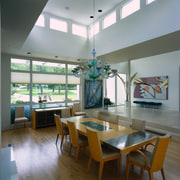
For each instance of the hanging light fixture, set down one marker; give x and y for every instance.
(94, 69)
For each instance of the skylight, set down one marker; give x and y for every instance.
(109, 20)
(58, 25)
(79, 30)
(40, 21)
(94, 29)
(149, 1)
(129, 8)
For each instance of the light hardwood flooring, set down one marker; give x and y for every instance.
(38, 158)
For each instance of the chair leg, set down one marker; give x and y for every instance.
(62, 139)
(101, 169)
(77, 152)
(163, 175)
(150, 175)
(120, 168)
(57, 138)
(89, 163)
(127, 170)
(70, 148)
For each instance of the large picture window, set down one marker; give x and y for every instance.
(49, 82)
(20, 81)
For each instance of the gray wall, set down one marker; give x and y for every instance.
(5, 92)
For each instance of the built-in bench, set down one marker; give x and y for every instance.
(148, 104)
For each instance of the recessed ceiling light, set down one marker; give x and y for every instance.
(100, 10)
(28, 52)
(91, 17)
(67, 8)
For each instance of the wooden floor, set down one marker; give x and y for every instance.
(38, 158)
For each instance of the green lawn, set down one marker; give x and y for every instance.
(19, 94)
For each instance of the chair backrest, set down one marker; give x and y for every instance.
(76, 107)
(58, 124)
(65, 113)
(114, 118)
(73, 133)
(159, 152)
(103, 115)
(106, 116)
(138, 124)
(19, 112)
(95, 114)
(94, 144)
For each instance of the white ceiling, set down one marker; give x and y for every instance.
(18, 18)
(80, 10)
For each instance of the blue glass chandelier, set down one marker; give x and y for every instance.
(94, 69)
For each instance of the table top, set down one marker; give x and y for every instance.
(130, 142)
(105, 129)
(120, 138)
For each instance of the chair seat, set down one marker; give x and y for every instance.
(79, 113)
(21, 119)
(106, 153)
(136, 157)
(82, 139)
(65, 130)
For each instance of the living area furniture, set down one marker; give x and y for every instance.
(100, 153)
(60, 130)
(20, 116)
(150, 161)
(76, 140)
(8, 164)
(77, 110)
(45, 117)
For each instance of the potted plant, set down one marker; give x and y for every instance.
(107, 102)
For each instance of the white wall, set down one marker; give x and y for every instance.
(157, 19)
(161, 65)
(51, 41)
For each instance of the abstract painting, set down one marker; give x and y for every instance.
(151, 87)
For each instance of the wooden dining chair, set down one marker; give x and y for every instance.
(76, 140)
(77, 110)
(95, 114)
(109, 117)
(62, 131)
(138, 124)
(98, 153)
(65, 113)
(114, 119)
(150, 161)
(20, 116)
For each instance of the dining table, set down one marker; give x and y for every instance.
(117, 137)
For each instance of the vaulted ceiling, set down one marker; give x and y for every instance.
(19, 17)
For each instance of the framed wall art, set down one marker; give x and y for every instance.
(151, 87)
